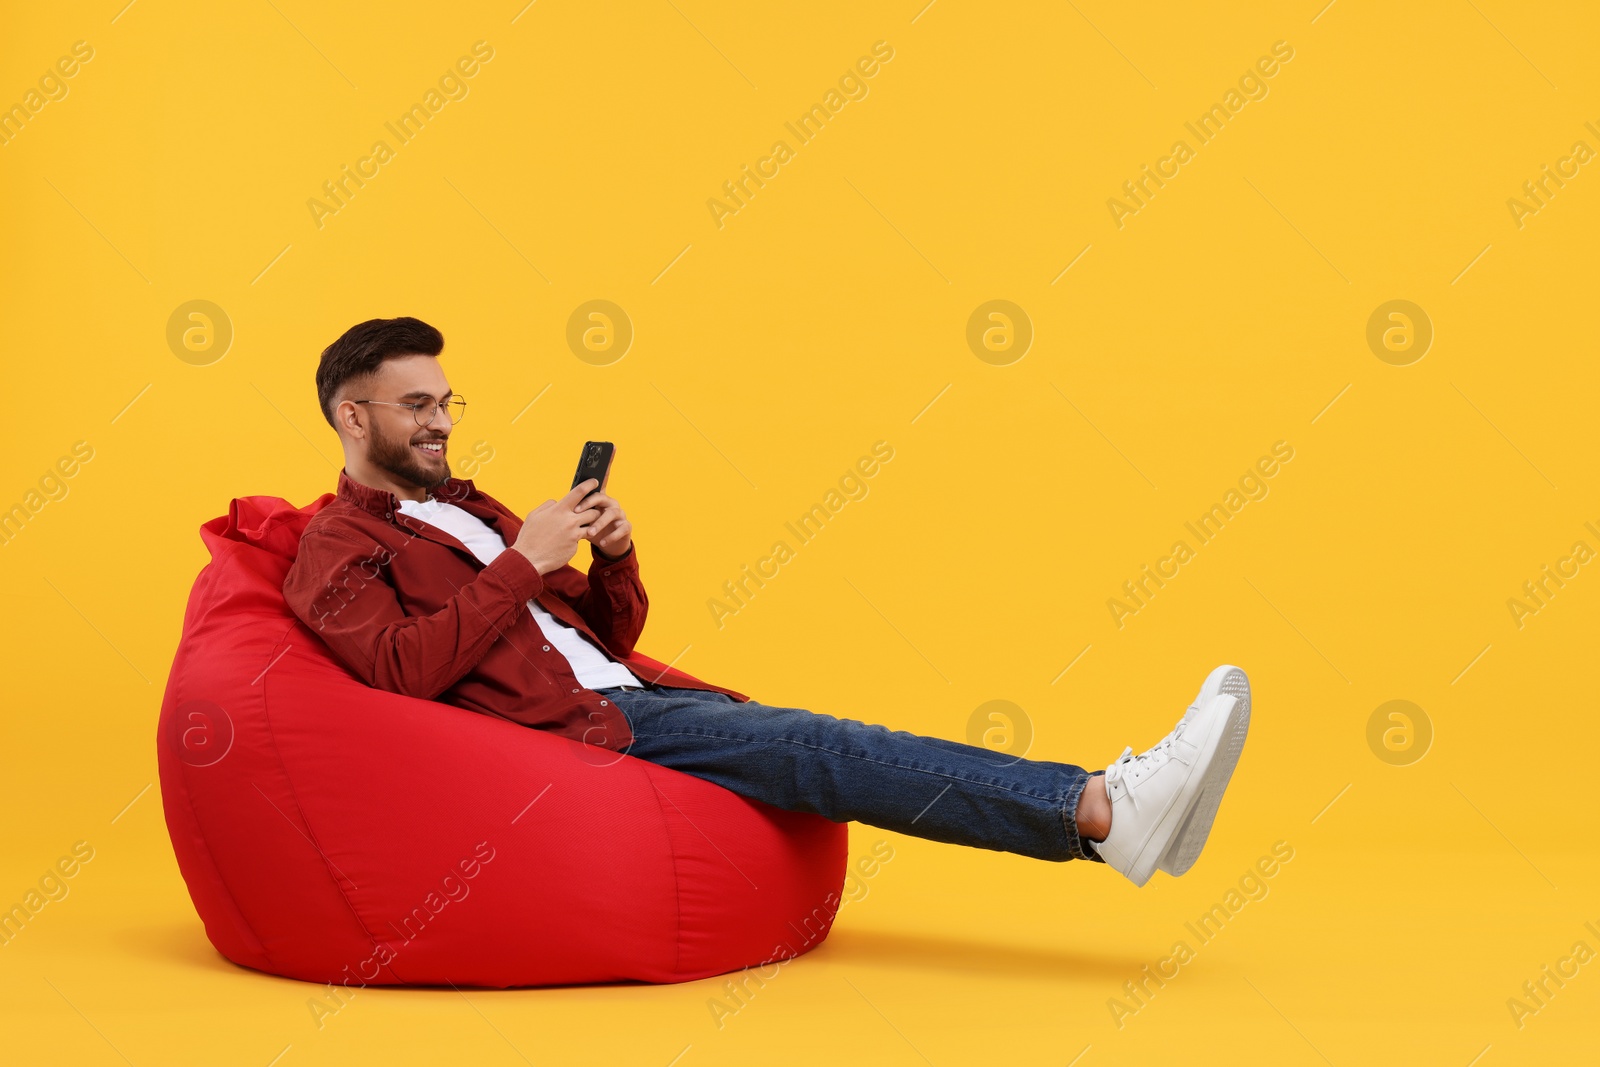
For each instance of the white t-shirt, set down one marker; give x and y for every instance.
(592, 667)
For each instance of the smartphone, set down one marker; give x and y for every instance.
(594, 462)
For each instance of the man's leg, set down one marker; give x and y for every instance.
(850, 771)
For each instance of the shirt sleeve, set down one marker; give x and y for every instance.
(338, 586)
(611, 598)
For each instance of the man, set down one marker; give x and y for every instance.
(423, 585)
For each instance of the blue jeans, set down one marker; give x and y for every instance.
(849, 771)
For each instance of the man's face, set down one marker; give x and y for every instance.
(415, 455)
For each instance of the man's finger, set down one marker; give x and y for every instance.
(621, 533)
(579, 491)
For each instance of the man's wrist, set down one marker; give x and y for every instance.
(607, 558)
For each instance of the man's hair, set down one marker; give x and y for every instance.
(361, 350)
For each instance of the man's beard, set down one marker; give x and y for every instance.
(395, 455)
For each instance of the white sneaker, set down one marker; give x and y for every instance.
(1158, 797)
(1225, 679)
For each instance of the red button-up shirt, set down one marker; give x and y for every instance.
(410, 609)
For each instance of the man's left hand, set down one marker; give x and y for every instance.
(611, 533)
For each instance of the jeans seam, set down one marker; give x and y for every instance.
(1077, 845)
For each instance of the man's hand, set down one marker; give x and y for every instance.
(611, 532)
(550, 534)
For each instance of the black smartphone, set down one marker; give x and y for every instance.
(594, 462)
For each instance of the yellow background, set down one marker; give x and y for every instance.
(769, 355)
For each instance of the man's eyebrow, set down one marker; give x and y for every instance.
(424, 393)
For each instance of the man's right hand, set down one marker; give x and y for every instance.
(550, 534)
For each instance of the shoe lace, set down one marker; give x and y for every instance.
(1131, 768)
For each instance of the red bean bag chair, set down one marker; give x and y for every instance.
(333, 832)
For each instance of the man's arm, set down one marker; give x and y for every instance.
(338, 588)
(611, 599)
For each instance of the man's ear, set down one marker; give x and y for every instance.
(350, 420)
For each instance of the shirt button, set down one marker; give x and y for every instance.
(602, 703)
(574, 690)
(547, 648)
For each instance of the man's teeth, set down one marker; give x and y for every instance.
(431, 446)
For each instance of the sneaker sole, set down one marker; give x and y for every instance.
(1224, 679)
(1191, 839)
(1169, 829)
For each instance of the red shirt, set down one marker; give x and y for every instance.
(409, 609)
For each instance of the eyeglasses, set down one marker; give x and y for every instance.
(455, 409)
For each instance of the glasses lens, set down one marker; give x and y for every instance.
(424, 411)
(456, 409)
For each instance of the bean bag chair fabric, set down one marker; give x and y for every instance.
(333, 832)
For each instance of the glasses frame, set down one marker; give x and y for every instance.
(456, 400)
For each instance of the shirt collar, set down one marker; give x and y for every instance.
(384, 504)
